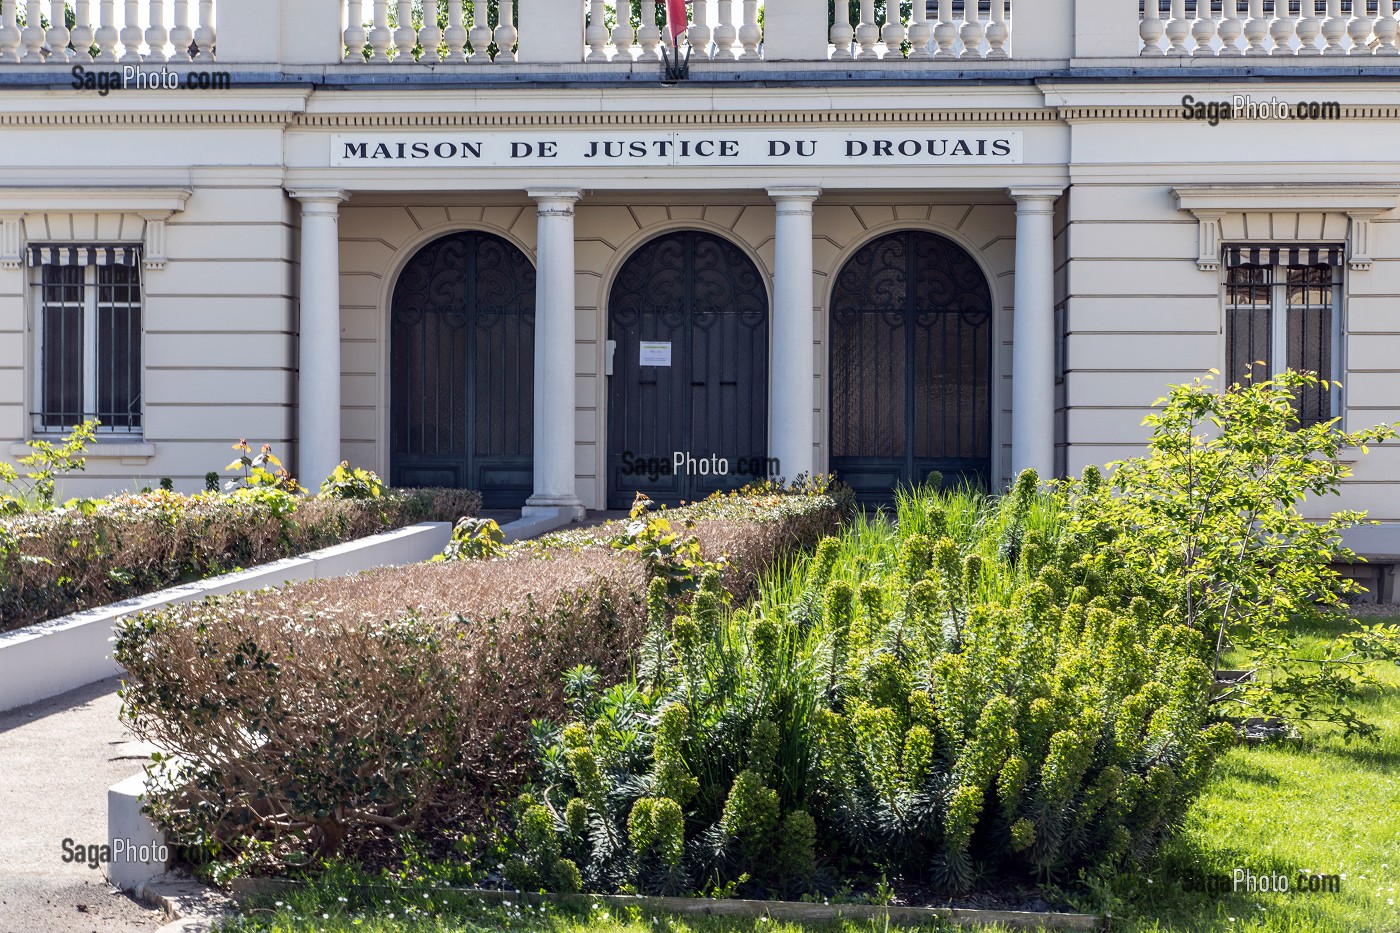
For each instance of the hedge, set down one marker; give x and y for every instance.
(399, 698)
(101, 551)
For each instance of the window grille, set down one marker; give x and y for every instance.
(88, 332)
(1282, 310)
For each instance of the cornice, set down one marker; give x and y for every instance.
(148, 118)
(1072, 114)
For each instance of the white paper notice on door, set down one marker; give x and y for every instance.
(656, 353)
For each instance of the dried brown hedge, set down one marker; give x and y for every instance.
(398, 697)
(53, 563)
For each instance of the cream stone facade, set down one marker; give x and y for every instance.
(1073, 242)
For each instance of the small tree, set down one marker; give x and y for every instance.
(1210, 519)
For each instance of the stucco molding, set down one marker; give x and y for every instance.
(154, 205)
(1360, 203)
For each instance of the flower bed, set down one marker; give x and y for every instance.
(100, 551)
(976, 698)
(397, 698)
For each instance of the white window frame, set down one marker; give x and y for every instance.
(89, 363)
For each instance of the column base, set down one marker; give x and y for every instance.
(564, 506)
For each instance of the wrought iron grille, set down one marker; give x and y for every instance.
(911, 361)
(1288, 313)
(89, 347)
(462, 363)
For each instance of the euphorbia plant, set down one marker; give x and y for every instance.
(1212, 516)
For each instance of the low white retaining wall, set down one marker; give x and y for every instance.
(53, 657)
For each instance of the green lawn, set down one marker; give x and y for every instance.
(1320, 805)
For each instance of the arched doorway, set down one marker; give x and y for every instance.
(688, 375)
(911, 351)
(462, 345)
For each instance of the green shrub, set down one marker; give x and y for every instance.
(93, 552)
(331, 710)
(972, 695)
(347, 482)
(474, 539)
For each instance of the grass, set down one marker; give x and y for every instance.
(1320, 805)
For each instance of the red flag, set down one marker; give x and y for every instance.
(675, 18)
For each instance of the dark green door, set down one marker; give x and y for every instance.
(911, 345)
(462, 345)
(688, 331)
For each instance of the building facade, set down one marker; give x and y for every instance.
(533, 256)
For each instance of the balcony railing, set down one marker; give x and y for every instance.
(729, 34)
(77, 31)
(1276, 28)
(461, 32)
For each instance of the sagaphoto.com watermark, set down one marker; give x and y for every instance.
(1244, 107)
(136, 78)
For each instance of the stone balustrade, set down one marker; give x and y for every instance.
(733, 33)
(1274, 28)
(36, 32)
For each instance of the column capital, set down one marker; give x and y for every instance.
(795, 194)
(1036, 197)
(318, 200)
(546, 195)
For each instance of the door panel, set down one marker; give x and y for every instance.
(462, 369)
(910, 366)
(701, 295)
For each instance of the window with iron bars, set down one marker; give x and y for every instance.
(88, 345)
(1286, 316)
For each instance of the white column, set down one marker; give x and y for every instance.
(1033, 336)
(318, 356)
(792, 433)
(554, 355)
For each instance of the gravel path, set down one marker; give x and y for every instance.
(57, 759)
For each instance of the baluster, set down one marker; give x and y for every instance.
(57, 36)
(481, 32)
(1385, 28)
(1151, 29)
(920, 33)
(842, 34)
(33, 34)
(355, 34)
(698, 35)
(82, 35)
(1334, 28)
(724, 32)
(106, 36)
(1309, 27)
(1178, 28)
(207, 35)
(405, 36)
(1203, 29)
(623, 33)
(946, 32)
(181, 35)
(1231, 28)
(131, 34)
(505, 32)
(893, 33)
(1281, 29)
(596, 35)
(430, 36)
(972, 30)
(867, 33)
(750, 34)
(1359, 27)
(1256, 29)
(9, 32)
(997, 32)
(456, 34)
(380, 38)
(649, 34)
(156, 33)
